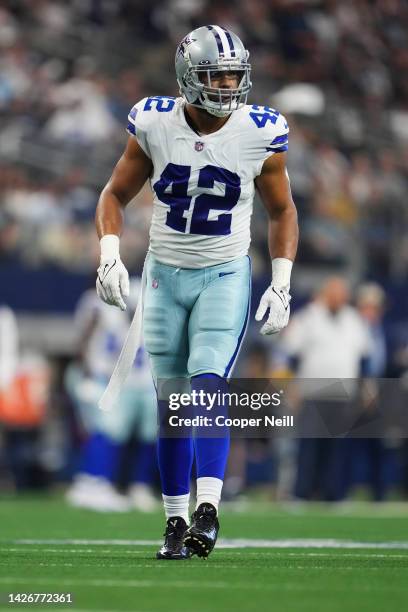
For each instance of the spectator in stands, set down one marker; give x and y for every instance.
(329, 339)
(372, 457)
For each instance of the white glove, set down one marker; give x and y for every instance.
(112, 283)
(277, 300)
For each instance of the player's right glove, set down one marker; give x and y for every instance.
(276, 298)
(112, 282)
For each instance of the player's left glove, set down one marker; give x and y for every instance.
(276, 298)
(112, 282)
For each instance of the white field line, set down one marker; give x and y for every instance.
(116, 583)
(247, 553)
(214, 565)
(228, 543)
(278, 585)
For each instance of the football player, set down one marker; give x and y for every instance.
(204, 154)
(101, 331)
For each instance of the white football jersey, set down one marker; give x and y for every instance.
(109, 329)
(203, 185)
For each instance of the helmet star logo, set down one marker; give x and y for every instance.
(184, 44)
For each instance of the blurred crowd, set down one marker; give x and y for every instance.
(70, 71)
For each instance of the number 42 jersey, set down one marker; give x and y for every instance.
(203, 184)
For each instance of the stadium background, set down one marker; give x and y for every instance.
(70, 72)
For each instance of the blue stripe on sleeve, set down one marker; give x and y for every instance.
(280, 139)
(278, 149)
(131, 128)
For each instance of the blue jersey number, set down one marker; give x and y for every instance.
(163, 104)
(176, 177)
(206, 202)
(172, 189)
(262, 114)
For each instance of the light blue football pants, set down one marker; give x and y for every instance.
(134, 413)
(195, 320)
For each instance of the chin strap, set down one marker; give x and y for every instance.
(212, 111)
(218, 113)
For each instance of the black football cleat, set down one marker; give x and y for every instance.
(202, 534)
(173, 547)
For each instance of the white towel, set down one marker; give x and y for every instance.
(127, 355)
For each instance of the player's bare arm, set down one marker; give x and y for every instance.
(128, 177)
(274, 189)
(283, 233)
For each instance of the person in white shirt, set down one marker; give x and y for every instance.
(329, 340)
(328, 336)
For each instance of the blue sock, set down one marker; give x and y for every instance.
(175, 457)
(100, 457)
(211, 452)
(145, 464)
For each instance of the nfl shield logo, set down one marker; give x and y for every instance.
(199, 145)
(155, 283)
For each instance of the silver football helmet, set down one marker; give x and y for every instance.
(207, 50)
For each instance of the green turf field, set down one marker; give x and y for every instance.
(319, 558)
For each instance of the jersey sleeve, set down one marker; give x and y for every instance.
(138, 125)
(270, 133)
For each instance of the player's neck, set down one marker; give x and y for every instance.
(201, 121)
